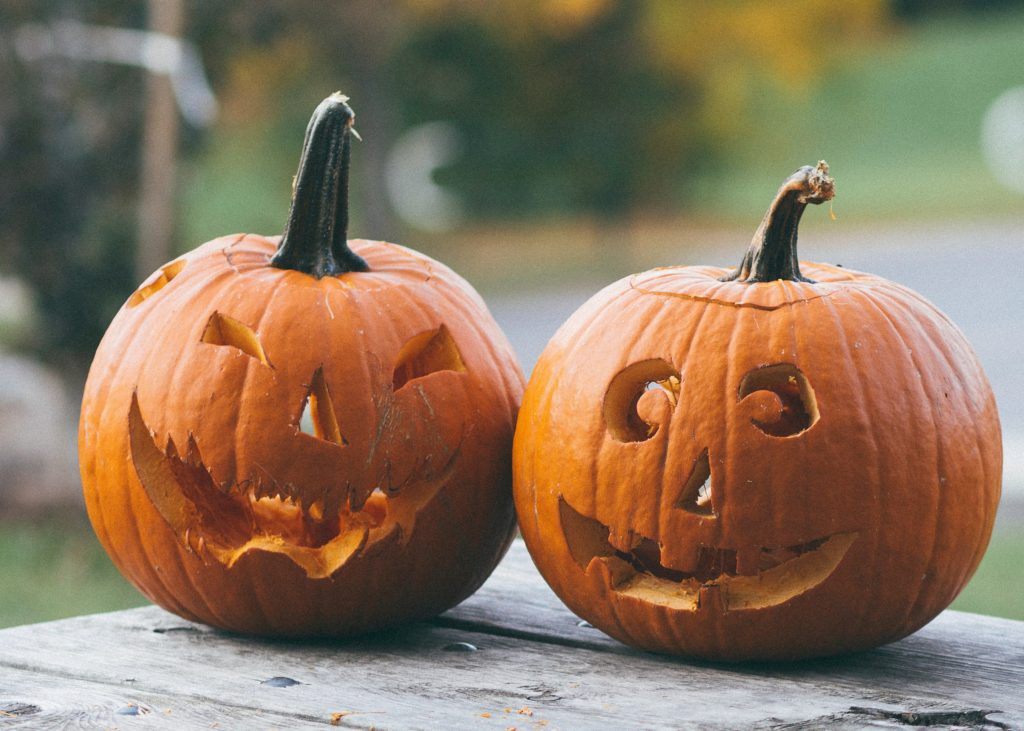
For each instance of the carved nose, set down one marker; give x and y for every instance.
(697, 495)
(318, 417)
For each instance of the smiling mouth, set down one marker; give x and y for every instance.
(227, 521)
(723, 578)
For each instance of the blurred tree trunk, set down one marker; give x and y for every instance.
(158, 178)
(375, 103)
(368, 34)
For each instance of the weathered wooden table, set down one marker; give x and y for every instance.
(510, 656)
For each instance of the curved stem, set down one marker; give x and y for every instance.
(772, 253)
(315, 238)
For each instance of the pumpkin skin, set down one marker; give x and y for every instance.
(211, 497)
(742, 470)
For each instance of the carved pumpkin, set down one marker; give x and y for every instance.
(755, 465)
(302, 438)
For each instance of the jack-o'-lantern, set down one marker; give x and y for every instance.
(782, 461)
(299, 437)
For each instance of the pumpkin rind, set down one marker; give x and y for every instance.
(900, 464)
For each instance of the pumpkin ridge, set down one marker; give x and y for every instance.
(918, 585)
(799, 353)
(241, 405)
(161, 578)
(939, 347)
(874, 471)
(715, 472)
(511, 382)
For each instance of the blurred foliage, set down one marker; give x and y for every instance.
(910, 110)
(597, 107)
(67, 211)
(995, 587)
(605, 107)
(917, 9)
(53, 569)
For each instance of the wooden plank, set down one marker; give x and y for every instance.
(406, 679)
(90, 667)
(73, 703)
(516, 602)
(957, 653)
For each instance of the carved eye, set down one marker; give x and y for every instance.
(782, 399)
(156, 282)
(426, 353)
(623, 410)
(223, 330)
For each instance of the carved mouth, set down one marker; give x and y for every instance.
(723, 578)
(225, 522)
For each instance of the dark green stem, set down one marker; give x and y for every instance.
(772, 253)
(315, 238)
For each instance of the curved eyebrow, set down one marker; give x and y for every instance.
(426, 353)
(799, 404)
(627, 386)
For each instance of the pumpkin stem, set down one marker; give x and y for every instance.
(315, 239)
(772, 253)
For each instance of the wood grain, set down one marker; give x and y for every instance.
(531, 656)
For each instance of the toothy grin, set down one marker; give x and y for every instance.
(227, 521)
(755, 578)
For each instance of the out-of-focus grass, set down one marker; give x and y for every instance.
(57, 569)
(900, 123)
(53, 570)
(998, 586)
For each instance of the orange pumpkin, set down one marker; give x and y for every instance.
(303, 438)
(758, 464)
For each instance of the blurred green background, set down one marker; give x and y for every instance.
(534, 145)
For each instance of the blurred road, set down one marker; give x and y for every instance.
(972, 272)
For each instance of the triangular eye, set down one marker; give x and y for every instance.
(695, 496)
(318, 418)
(156, 282)
(426, 353)
(789, 404)
(223, 330)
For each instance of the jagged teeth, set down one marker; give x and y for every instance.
(332, 502)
